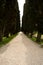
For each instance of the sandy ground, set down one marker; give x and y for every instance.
(21, 51)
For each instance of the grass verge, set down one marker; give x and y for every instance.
(5, 40)
(34, 39)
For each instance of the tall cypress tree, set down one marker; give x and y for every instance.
(33, 17)
(9, 17)
(2, 22)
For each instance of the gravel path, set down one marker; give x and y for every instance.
(21, 51)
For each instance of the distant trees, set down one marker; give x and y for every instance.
(9, 17)
(33, 17)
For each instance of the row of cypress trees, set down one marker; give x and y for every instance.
(33, 18)
(9, 18)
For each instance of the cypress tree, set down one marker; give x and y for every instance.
(9, 17)
(33, 17)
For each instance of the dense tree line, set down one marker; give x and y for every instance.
(9, 18)
(33, 17)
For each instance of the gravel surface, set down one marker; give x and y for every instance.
(21, 51)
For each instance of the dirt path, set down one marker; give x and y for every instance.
(21, 51)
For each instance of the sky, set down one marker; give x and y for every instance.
(21, 4)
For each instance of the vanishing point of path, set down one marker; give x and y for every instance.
(21, 51)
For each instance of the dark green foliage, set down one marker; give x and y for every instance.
(33, 17)
(9, 17)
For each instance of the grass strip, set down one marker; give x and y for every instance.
(34, 39)
(5, 40)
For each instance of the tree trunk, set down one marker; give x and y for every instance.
(38, 37)
(31, 34)
(0, 36)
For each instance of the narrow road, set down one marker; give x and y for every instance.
(21, 51)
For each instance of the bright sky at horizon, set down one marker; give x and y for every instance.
(21, 4)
